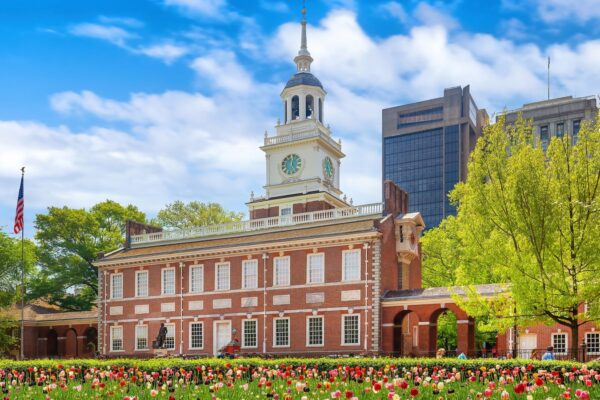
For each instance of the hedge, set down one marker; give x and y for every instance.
(157, 364)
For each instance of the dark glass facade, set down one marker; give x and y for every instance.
(425, 164)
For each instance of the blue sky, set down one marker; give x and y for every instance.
(147, 102)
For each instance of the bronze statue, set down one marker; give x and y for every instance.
(159, 343)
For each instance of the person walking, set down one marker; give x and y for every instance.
(549, 354)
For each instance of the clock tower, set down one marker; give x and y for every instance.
(303, 160)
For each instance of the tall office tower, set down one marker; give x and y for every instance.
(426, 147)
(556, 117)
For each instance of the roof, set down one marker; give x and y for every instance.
(40, 311)
(439, 292)
(303, 78)
(246, 239)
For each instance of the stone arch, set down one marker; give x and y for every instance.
(406, 333)
(52, 343)
(71, 348)
(310, 106)
(465, 330)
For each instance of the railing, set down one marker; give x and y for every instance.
(260, 224)
(299, 136)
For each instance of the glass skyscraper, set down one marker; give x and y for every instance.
(426, 146)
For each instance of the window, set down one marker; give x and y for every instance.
(141, 283)
(560, 129)
(196, 278)
(559, 342)
(222, 277)
(350, 329)
(315, 268)
(592, 341)
(285, 113)
(576, 127)
(170, 338)
(249, 333)
(196, 335)
(314, 331)
(168, 281)
(310, 106)
(351, 265)
(544, 138)
(281, 272)
(285, 210)
(320, 110)
(116, 286)
(420, 117)
(250, 274)
(295, 107)
(116, 338)
(141, 337)
(281, 332)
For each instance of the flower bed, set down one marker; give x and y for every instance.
(298, 379)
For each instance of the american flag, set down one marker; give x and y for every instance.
(20, 210)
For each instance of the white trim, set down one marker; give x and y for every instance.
(322, 318)
(201, 323)
(174, 334)
(215, 338)
(344, 265)
(222, 264)
(593, 353)
(112, 329)
(343, 330)
(112, 288)
(136, 338)
(198, 267)
(552, 335)
(289, 271)
(244, 333)
(244, 264)
(289, 326)
(308, 257)
(137, 273)
(162, 281)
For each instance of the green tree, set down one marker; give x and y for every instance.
(68, 242)
(10, 282)
(180, 215)
(531, 218)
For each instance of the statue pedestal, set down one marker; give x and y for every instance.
(160, 353)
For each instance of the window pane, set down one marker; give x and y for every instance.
(351, 266)
(142, 284)
(141, 337)
(196, 337)
(559, 342)
(282, 332)
(168, 281)
(351, 329)
(116, 338)
(249, 334)
(250, 274)
(282, 271)
(316, 268)
(592, 341)
(196, 279)
(117, 286)
(315, 331)
(222, 277)
(170, 338)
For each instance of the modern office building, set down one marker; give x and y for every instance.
(426, 147)
(555, 117)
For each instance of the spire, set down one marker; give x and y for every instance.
(303, 59)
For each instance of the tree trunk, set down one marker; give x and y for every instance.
(575, 341)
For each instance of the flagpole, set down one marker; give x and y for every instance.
(22, 283)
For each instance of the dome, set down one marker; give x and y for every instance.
(303, 78)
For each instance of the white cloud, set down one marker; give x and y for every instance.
(277, 6)
(221, 70)
(125, 21)
(561, 10)
(430, 15)
(395, 10)
(210, 8)
(112, 34)
(166, 52)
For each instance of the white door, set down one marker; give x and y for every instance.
(221, 335)
(527, 343)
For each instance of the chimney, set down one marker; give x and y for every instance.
(395, 200)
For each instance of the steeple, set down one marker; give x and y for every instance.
(303, 59)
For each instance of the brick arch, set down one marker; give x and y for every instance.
(405, 331)
(71, 346)
(52, 343)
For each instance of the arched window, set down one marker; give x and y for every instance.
(285, 120)
(320, 110)
(295, 107)
(310, 106)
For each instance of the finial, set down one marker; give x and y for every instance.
(351, 201)
(303, 59)
(22, 170)
(345, 197)
(252, 195)
(266, 134)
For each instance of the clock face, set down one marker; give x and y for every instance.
(328, 169)
(291, 164)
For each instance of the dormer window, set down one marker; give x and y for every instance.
(295, 107)
(310, 104)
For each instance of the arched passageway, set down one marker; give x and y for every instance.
(71, 349)
(406, 333)
(52, 343)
